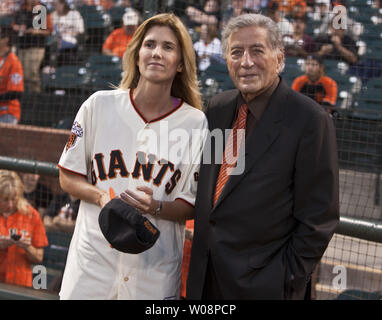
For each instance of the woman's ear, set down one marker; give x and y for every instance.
(180, 67)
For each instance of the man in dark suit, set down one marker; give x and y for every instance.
(260, 233)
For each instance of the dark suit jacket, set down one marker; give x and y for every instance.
(272, 223)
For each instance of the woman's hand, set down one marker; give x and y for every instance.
(5, 242)
(103, 198)
(23, 243)
(143, 203)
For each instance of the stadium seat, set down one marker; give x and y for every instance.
(48, 109)
(312, 25)
(69, 78)
(97, 25)
(116, 14)
(6, 21)
(94, 17)
(368, 104)
(375, 83)
(100, 61)
(293, 69)
(215, 79)
(372, 33)
(105, 79)
(105, 71)
(356, 3)
(353, 294)
(346, 88)
(55, 254)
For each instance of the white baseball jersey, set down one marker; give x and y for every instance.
(112, 145)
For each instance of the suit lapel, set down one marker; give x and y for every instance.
(262, 137)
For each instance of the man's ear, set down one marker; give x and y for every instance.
(280, 59)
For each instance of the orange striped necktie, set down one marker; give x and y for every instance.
(231, 151)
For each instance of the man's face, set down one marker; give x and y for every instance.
(3, 42)
(252, 63)
(299, 26)
(312, 69)
(238, 4)
(30, 180)
(129, 30)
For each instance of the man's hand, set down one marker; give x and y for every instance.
(336, 40)
(325, 49)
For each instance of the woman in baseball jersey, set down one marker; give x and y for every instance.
(143, 141)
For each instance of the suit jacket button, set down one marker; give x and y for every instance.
(212, 222)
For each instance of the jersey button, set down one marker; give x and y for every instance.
(126, 279)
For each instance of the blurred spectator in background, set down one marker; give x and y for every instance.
(377, 18)
(337, 45)
(105, 4)
(11, 80)
(62, 213)
(299, 44)
(353, 29)
(297, 8)
(67, 25)
(316, 85)
(208, 45)
(310, 4)
(236, 8)
(38, 195)
(321, 10)
(117, 41)
(255, 5)
(276, 15)
(31, 43)
(8, 7)
(22, 233)
(377, 4)
(209, 14)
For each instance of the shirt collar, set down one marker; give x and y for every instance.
(258, 104)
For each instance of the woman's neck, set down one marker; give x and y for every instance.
(153, 100)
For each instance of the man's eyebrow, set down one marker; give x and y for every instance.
(255, 45)
(259, 45)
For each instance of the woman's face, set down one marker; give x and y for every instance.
(160, 55)
(7, 206)
(203, 32)
(59, 6)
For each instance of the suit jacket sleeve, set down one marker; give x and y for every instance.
(316, 204)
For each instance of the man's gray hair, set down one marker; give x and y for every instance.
(249, 20)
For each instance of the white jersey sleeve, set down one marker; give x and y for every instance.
(76, 154)
(190, 179)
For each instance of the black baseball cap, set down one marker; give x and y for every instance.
(125, 228)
